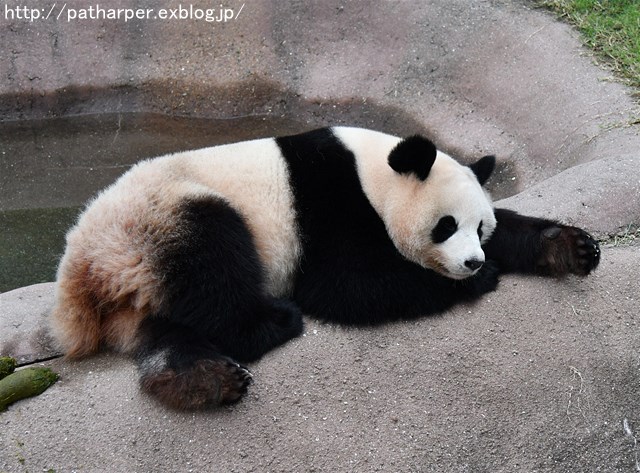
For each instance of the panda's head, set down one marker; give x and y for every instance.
(435, 209)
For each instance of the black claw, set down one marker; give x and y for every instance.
(589, 249)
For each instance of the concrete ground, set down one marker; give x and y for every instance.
(542, 375)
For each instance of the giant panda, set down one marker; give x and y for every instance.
(198, 262)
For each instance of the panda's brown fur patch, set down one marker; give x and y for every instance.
(109, 279)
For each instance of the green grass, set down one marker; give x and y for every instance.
(610, 27)
(629, 236)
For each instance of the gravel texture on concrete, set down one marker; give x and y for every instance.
(539, 376)
(542, 375)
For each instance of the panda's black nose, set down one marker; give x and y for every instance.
(473, 264)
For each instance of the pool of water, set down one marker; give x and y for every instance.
(31, 242)
(50, 168)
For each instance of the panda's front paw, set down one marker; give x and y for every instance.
(567, 250)
(486, 279)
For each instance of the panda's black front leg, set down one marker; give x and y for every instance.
(539, 246)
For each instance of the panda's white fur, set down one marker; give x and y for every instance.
(411, 207)
(109, 251)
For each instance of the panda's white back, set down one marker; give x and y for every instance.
(251, 176)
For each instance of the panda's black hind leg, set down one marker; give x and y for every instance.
(271, 325)
(184, 370)
(215, 310)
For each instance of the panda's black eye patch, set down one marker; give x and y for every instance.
(446, 227)
(480, 230)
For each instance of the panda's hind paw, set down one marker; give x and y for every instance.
(568, 250)
(204, 383)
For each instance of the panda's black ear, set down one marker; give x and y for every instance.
(483, 168)
(414, 154)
